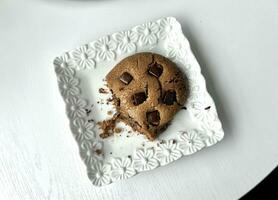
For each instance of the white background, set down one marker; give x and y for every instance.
(236, 44)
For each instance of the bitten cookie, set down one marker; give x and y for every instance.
(149, 90)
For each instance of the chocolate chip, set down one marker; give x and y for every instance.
(139, 98)
(155, 70)
(126, 78)
(169, 97)
(153, 118)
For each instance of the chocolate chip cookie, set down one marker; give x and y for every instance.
(149, 89)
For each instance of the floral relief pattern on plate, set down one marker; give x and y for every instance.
(144, 159)
(84, 57)
(122, 169)
(76, 107)
(147, 33)
(177, 49)
(168, 28)
(190, 142)
(91, 151)
(68, 86)
(99, 173)
(126, 41)
(105, 48)
(201, 111)
(212, 132)
(167, 152)
(82, 130)
(64, 65)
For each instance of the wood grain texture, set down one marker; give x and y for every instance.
(235, 43)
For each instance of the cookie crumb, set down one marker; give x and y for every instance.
(114, 100)
(98, 151)
(117, 130)
(101, 101)
(109, 112)
(108, 126)
(102, 91)
(88, 111)
(207, 108)
(162, 142)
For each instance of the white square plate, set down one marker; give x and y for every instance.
(80, 74)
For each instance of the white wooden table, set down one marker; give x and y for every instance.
(236, 43)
